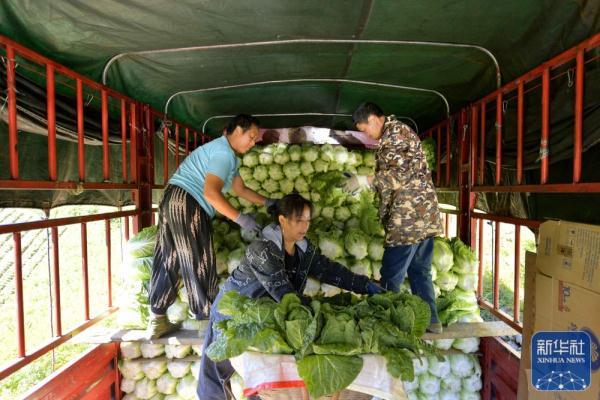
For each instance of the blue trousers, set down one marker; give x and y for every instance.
(414, 260)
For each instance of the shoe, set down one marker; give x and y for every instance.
(435, 327)
(159, 325)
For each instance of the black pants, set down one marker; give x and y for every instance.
(184, 243)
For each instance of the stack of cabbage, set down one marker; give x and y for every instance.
(159, 372)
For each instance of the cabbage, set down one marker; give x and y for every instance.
(342, 213)
(265, 157)
(251, 184)
(375, 249)
(291, 170)
(275, 172)
(154, 368)
(245, 173)
(128, 385)
(361, 267)
(466, 395)
(331, 244)
(451, 383)
(234, 259)
(321, 166)
(145, 388)
(369, 159)
(467, 345)
(195, 369)
(366, 171)
(472, 383)
(340, 155)
(142, 244)
(449, 395)
(174, 396)
(191, 325)
(177, 312)
(461, 365)
(277, 195)
(179, 369)
(330, 290)
(237, 386)
(183, 295)
(307, 168)
(130, 396)
(130, 350)
(286, 186)
(310, 153)
(295, 152)
(420, 365)
(446, 280)
(442, 255)
(465, 261)
(222, 256)
(235, 203)
(260, 173)
(328, 212)
(468, 281)
(177, 350)
(433, 273)
(443, 344)
(376, 268)
(250, 159)
(356, 243)
(270, 185)
(166, 384)
(439, 368)
(470, 318)
(281, 157)
(151, 350)
(301, 185)
(429, 384)
(186, 387)
(327, 153)
(411, 386)
(312, 287)
(196, 348)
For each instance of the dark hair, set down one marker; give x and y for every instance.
(244, 121)
(364, 111)
(288, 206)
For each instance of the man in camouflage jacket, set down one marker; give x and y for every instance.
(408, 205)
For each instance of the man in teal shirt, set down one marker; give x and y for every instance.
(184, 240)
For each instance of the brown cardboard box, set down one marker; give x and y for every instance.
(528, 324)
(563, 306)
(570, 252)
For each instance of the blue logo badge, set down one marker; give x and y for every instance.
(560, 361)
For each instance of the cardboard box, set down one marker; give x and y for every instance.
(570, 252)
(563, 306)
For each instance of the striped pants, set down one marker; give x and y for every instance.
(184, 249)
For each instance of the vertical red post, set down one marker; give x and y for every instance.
(56, 280)
(497, 267)
(11, 84)
(520, 132)
(133, 142)
(109, 260)
(544, 145)
(84, 269)
(578, 134)
(165, 155)
(195, 140)
(124, 139)
(176, 145)
(482, 146)
(80, 132)
(480, 256)
(438, 174)
(105, 165)
(474, 143)
(51, 118)
(19, 295)
(499, 138)
(517, 280)
(448, 153)
(126, 221)
(187, 141)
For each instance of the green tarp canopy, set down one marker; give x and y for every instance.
(263, 57)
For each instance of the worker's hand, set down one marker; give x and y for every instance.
(374, 288)
(355, 183)
(247, 222)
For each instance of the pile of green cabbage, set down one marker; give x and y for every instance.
(159, 372)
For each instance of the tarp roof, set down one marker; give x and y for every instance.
(86, 35)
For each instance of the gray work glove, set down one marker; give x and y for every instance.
(355, 183)
(247, 222)
(374, 288)
(270, 202)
